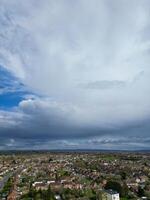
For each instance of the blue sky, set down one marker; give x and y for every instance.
(74, 74)
(11, 90)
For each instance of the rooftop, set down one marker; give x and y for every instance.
(111, 191)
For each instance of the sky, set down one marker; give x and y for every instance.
(75, 74)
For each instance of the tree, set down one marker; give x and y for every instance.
(114, 185)
(140, 191)
(123, 175)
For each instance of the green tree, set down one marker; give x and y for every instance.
(140, 191)
(114, 185)
(123, 175)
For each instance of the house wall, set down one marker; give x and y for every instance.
(113, 197)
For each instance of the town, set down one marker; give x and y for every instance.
(74, 175)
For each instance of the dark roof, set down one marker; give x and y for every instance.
(111, 191)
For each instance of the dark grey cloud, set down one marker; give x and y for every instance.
(36, 123)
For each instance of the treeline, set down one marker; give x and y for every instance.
(7, 188)
(38, 195)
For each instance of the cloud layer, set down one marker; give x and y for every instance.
(87, 63)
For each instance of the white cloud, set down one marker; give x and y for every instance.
(55, 48)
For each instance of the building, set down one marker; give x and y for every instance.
(57, 197)
(110, 195)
